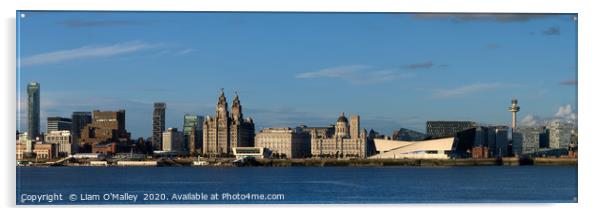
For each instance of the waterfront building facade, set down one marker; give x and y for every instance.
(106, 148)
(354, 126)
(370, 145)
(45, 151)
(341, 143)
(58, 124)
(226, 130)
(78, 121)
(426, 149)
(25, 144)
(193, 134)
(33, 110)
(526, 140)
(173, 141)
(321, 132)
(251, 152)
(64, 141)
(490, 141)
(285, 142)
(484, 140)
(501, 141)
(559, 134)
(158, 124)
(106, 126)
(438, 129)
(20, 151)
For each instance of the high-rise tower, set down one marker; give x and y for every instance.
(78, 121)
(33, 110)
(193, 133)
(158, 124)
(57, 123)
(514, 108)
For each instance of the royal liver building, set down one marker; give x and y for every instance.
(227, 130)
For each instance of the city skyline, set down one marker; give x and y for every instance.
(395, 70)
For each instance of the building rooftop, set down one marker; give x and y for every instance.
(342, 118)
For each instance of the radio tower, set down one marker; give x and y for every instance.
(514, 109)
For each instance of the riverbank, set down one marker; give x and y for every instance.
(420, 162)
(510, 161)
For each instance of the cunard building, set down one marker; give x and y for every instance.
(226, 129)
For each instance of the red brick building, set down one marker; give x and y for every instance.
(105, 148)
(45, 151)
(573, 151)
(480, 152)
(106, 127)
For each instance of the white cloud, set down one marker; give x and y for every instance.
(531, 121)
(186, 51)
(337, 72)
(468, 89)
(84, 53)
(355, 74)
(565, 114)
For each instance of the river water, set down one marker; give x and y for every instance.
(287, 185)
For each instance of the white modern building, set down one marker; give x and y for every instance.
(25, 141)
(89, 156)
(173, 140)
(254, 152)
(426, 149)
(64, 141)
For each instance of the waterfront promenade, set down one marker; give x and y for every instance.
(229, 162)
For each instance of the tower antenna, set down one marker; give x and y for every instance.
(514, 108)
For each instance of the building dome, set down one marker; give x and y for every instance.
(342, 127)
(342, 118)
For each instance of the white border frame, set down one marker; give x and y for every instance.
(589, 105)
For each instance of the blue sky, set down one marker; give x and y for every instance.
(393, 69)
